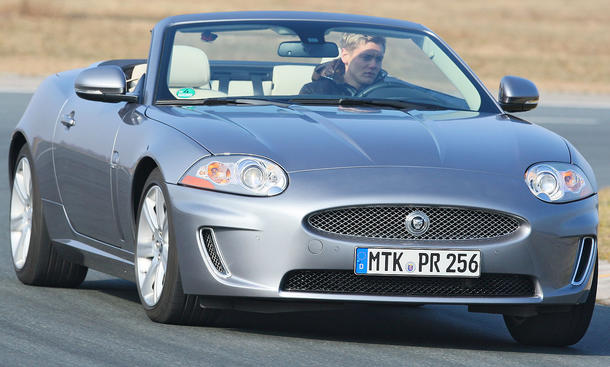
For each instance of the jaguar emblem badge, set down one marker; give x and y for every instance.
(417, 223)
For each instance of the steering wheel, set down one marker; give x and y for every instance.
(382, 85)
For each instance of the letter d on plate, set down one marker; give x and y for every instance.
(362, 256)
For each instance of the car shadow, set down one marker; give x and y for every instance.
(436, 326)
(123, 289)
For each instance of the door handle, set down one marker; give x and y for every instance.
(68, 120)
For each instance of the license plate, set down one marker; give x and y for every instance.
(418, 262)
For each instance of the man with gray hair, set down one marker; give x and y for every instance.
(358, 66)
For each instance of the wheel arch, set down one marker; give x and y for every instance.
(17, 142)
(145, 166)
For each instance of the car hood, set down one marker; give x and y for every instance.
(321, 137)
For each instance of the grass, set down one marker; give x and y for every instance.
(562, 45)
(603, 234)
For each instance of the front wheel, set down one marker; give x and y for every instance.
(556, 328)
(156, 262)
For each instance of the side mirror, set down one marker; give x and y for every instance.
(103, 84)
(517, 94)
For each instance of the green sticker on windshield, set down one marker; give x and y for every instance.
(185, 93)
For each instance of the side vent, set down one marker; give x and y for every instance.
(207, 240)
(584, 260)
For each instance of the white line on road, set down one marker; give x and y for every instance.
(564, 120)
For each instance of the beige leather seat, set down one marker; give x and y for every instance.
(242, 87)
(289, 79)
(136, 74)
(190, 70)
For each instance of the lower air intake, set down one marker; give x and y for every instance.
(209, 241)
(584, 261)
(346, 282)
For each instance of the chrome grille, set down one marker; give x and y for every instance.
(346, 282)
(388, 222)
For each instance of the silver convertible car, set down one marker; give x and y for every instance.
(282, 161)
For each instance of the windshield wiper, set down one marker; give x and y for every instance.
(355, 102)
(223, 101)
(392, 103)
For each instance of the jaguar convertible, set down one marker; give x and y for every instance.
(285, 161)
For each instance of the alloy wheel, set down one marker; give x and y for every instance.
(21, 213)
(152, 246)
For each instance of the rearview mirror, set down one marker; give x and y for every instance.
(103, 84)
(517, 94)
(300, 49)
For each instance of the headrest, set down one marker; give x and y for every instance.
(137, 72)
(189, 68)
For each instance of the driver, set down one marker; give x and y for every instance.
(358, 67)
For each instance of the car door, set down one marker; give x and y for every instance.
(82, 153)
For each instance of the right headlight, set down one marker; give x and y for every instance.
(556, 182)
(237, 174)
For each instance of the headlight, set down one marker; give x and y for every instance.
(557, 182)
(237, 174)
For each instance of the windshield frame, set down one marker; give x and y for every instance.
(488, 103)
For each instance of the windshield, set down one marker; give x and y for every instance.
(311, 63)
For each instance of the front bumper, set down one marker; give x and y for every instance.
(262, 239)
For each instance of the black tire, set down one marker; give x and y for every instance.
(555, 328)
(43, 265)
(173, 306)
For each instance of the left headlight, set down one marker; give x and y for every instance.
(556, 182)
(237, 174)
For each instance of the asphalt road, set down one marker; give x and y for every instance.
(101, 323)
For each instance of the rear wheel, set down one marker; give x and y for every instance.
(35, 260)
(156, 262)
(556, 328)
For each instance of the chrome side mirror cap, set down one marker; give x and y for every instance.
(517, 94)
(103, 84)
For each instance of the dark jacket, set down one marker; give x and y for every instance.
(327, 78)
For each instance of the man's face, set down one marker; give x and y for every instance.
(362, 64)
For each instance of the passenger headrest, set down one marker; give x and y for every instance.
(189, 68)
